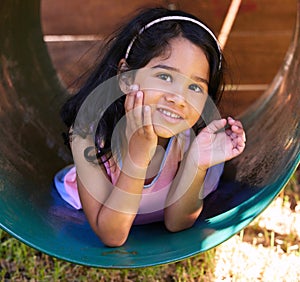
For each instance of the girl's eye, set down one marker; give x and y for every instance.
(166, 77)
(196, 88)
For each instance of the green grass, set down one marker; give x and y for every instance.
(19, 262)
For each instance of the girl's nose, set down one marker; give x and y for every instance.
(177, 99)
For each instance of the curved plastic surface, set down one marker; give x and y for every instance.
(32, 151)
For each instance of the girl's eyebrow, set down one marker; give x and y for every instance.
(195, 78)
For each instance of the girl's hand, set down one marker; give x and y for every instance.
(215, 145)
(142, 140)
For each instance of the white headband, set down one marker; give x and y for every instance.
(181, 18)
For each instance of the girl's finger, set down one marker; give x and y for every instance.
(138, 109)
(231, 120)
(236, 129)
(233, 135)
(128, 104)
(228, 132)
(134, 88)
(129, 101)
(236, 123)
(240, 148)
(147, 123)
(242, 138)
(130, 98)
(240, 144)
(138, 99)
(216, 126)
(240, 133)
(233, 142)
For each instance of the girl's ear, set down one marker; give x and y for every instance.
(122, 66)
(124, 76)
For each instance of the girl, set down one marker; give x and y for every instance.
(141, 149)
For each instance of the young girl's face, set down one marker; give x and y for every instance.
(175, 86)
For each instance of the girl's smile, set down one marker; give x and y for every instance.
(170, 115)
(175, 86)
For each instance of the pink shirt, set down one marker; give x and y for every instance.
(154, 194)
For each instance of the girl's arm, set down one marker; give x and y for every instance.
(110, 209)
(112, 218)
(184, 202)
(211, 147)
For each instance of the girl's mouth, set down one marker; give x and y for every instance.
(170, 116)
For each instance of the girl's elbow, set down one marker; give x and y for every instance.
(174, 226)
(113, 242)
(112, 236)
(179, 223)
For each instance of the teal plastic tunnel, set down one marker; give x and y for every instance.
(32, 152)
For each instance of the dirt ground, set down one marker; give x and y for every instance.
(272, 255)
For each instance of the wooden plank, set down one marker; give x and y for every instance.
(233, 103)
(266, 15)
(94, 17)
(255, 58)
(86, 17)
(72, 59)
(260, 39)
(102, 17)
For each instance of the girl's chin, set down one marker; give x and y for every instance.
(165, 128)
(164, 132)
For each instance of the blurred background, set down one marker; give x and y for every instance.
(254, 47)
